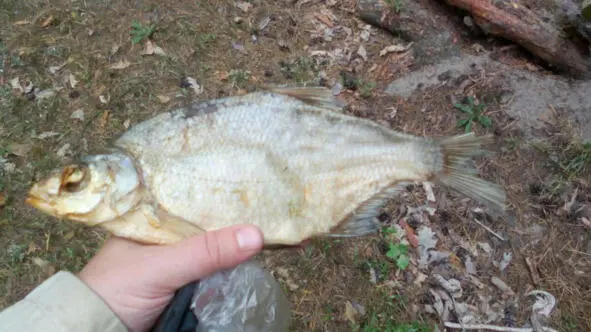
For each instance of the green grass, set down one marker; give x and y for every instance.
(396, 5)
(474, 113)
(139, 32)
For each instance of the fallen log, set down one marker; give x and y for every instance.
(513, 21)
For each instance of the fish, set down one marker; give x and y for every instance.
(286, 159)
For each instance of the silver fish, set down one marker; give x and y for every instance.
(285, 159)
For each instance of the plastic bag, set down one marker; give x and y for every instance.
(243, 299)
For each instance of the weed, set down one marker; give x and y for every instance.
(366, 88)
(140, 32)
(396, 5)
(205, 40)
(474, 115)
(572, 161)
(238, 77)
(398, 252)
(374, 325)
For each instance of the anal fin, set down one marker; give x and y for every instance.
(364, 220)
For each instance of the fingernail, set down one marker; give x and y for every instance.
(248, 238)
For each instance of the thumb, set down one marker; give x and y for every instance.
(203, 255)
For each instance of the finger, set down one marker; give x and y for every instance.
(200, 256)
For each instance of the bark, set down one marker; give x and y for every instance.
(512, 21)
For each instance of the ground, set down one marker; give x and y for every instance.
(83, 80)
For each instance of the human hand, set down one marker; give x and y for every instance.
(138, 281)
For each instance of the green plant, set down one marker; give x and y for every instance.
(140, 32)
(366, 88)
(399, 253)
(474, 115)
(576, 160)
(390, 326)
(238, 76)
(396, 5)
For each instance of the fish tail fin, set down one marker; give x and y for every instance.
(313, 95)
(456, 176)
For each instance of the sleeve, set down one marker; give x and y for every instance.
(61, 303)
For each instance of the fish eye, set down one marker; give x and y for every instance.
(74, 178)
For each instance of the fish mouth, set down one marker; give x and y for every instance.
(41, 204)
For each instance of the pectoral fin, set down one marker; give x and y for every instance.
(147, 226)
(317, 96)
(364, 220)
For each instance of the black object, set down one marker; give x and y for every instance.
(178, 317)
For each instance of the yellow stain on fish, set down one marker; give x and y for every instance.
(285, 160)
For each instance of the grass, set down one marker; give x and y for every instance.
(474, 113)
(139, 32)
(396, 5)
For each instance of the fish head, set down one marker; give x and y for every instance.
(98, 189)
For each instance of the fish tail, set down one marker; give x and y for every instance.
(457, 176)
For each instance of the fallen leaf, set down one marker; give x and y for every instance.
(394, 48)
(68, 235)
(429, 191)
(104, 118)
(122, 64)
(73, 81)
(502, 265)
(283, 44)
(410, 233)
(353, 311)
(54, 69)
(63, 151)
(485, 247)
(103, 99)
(163, 99)
(45, 94)
(78, 114)
(244, 6)
(127, 124)
(32, 248)
(586, 221)
(2, 200)
(362, 52)
(47, 134)
(19, 150)
(238, 46)
(22, 22)
(502, 286)
(222, 75)
(152, 48)
(264, 22)
(16, 85)
(324, 19)
(47, 21)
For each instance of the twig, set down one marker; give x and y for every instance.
(493, 327)
(490, 230)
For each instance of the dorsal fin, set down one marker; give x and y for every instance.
(313, 95)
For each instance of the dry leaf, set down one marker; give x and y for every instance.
(16, 85)
(68, 235)
(362, 52)
(73, 81)
(324, 19)
(47, 134)
(353, 311)
(22, 22)
(63, 150)
(264, 22)
(163, 99)
(45, 94)
(33, 247)
(19, 150)
(104, 118)
(394, 48)
(78, 114)
(47, 21)
(222, 75)
(586, 222)
(54, 69)
(2, 200)
(244, 6)
(126, 124)
(104, 99)
(152, 48)
(122, 64)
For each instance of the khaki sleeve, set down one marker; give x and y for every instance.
(61, 303)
